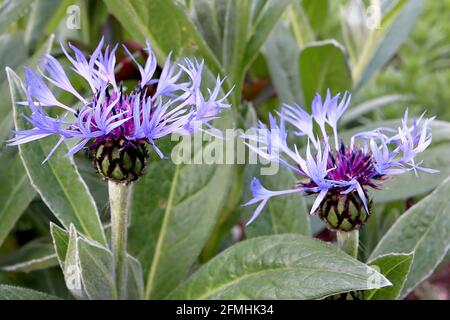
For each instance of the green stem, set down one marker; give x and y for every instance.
(348, 242)
(119, 200)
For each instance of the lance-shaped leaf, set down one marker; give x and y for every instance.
(88, 267)
(11, 11)
(395, 267)
(358, 111)
(317, 12)
(60, 239)
(279, 267)
(35, 255)
(281, 53)
(7, 121)
(264, 19)
(301, 23)
(57, 181)
(18, 293)
(44, 18)
(384, 40)
(235, 31)
(16, 191)
(12, 52)
(174, 209)
(423, 229)
(230, 213)
(135, 289)
(307, 18)
(323, 65)
(170, 29)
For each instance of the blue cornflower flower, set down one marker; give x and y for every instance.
(337, 174)
(112, 123)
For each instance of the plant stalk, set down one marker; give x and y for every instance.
(348, 242)
(119, 200)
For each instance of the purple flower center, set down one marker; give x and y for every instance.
(124, 107)
(117, 105)
(348, 164)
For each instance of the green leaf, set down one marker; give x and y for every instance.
(423, 229)
(278, 267)
(97, 187)
(17, 293)
(174, 208)
(11, 11)
(35, 255)
(58, 14)
(235, 34)
(12, 52)
(355, 32)
(323, 65)
(97, 268)
(88, 269)
(264, 20)
(74, 273)
(225, 25)
(300, 23)
(317, 12)
(230, 213)
(135, 289)
(57, 181)
(60, 241)
(446, 259)
(16, 191)
(43, 13)
(204, 14)
(288, 214)
(7, 121)
(235, 31)
(71, 268)
(395, 267)
(385, 216)
(168, 30)
(383, 43)
(281, 53)
(368, 106)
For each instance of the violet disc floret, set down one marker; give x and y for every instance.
(118, 126)
(339, 175)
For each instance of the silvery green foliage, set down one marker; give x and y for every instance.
(88, 267)
(279, 267)
(185, 233)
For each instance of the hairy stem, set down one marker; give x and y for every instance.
(119, 200)
(348, 242)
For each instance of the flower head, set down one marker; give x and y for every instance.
(338, 174)
(122, 122)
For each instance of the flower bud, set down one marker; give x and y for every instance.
(344, 212)
(119, 160)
